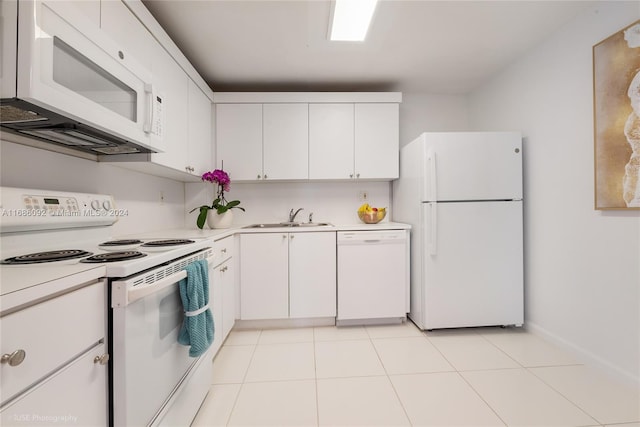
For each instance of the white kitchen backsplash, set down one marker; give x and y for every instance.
(334, 202)
(150, 203)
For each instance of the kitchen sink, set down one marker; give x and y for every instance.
(290, 224)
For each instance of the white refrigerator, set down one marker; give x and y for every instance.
(462, 194)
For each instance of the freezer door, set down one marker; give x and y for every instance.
(472, 166)
(473, 266)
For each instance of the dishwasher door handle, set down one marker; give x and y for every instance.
(372, 241)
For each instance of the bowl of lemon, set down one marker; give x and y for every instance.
(371, 215)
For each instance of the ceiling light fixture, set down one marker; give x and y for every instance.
(351, 19)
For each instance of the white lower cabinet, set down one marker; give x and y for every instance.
(312, 275)
(56, 361)
(75, 395)
(222, 290)
(287, 275)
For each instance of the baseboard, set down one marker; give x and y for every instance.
(585, 356)
(284, 323)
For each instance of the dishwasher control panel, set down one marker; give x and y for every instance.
(364, 237)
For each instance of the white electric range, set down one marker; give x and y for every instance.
(53, 241)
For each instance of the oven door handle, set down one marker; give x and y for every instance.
(121, 296)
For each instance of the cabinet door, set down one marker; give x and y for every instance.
(239, 140)
(217, 307)
(264, 292)
(312, 275)
(79, 390)
(331, 141)
(286, 141)
(228, 296)
(377, 141)
(173, 84)
(200, 153)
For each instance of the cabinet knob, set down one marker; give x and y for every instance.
(351, 175)
(259, 177)
(284, 236)
(15, 358)
(120, 54)
(357, 175)
(223, 250)
(265, 176)
(292, 236)
(223, 269)
(103, 359)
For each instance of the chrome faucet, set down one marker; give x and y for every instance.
(292, 215)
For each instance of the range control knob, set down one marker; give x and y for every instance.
(106, 205)
(95, 205)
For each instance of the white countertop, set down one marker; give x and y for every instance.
(21, 284)
(217, 234)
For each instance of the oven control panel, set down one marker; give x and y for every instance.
(28, 209)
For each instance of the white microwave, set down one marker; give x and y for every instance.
(70, 85)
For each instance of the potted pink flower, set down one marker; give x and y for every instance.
(218, 214)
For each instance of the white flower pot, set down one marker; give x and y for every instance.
(215, 220)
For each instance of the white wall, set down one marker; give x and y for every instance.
(424, 112)
(28, 167)
(582, 266)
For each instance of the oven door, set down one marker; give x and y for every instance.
(151, 372)
(70, 67)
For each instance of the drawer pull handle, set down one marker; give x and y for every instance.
(223, 269)
(15, 358)
(224, 251)
(103, 360)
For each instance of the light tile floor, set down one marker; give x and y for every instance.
(399, 376)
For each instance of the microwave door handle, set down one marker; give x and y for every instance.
(141, 291)
(148, 124)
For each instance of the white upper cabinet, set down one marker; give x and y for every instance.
(239, 140)
(200, 144)
(309, 135)
(285, 141)
(173, 85)
(331, 141)
(377, 141)
(187, 145)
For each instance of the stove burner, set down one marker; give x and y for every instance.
(114, 257)
(171, 242)
(124, 242)
(49, 256)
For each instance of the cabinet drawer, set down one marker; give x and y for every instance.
(223, 249)
(76, 395)
(51, 334)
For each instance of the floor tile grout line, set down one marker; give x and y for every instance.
(459, 373)
(235, 402)
(406, 414)
(315, 377)
(501, 350)
(562, 394)
(482, 398)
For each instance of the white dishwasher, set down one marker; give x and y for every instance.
(372, 275)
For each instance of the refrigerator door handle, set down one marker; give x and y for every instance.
(433, 176)
(433, 229)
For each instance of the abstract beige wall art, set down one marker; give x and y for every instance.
(616, 91)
